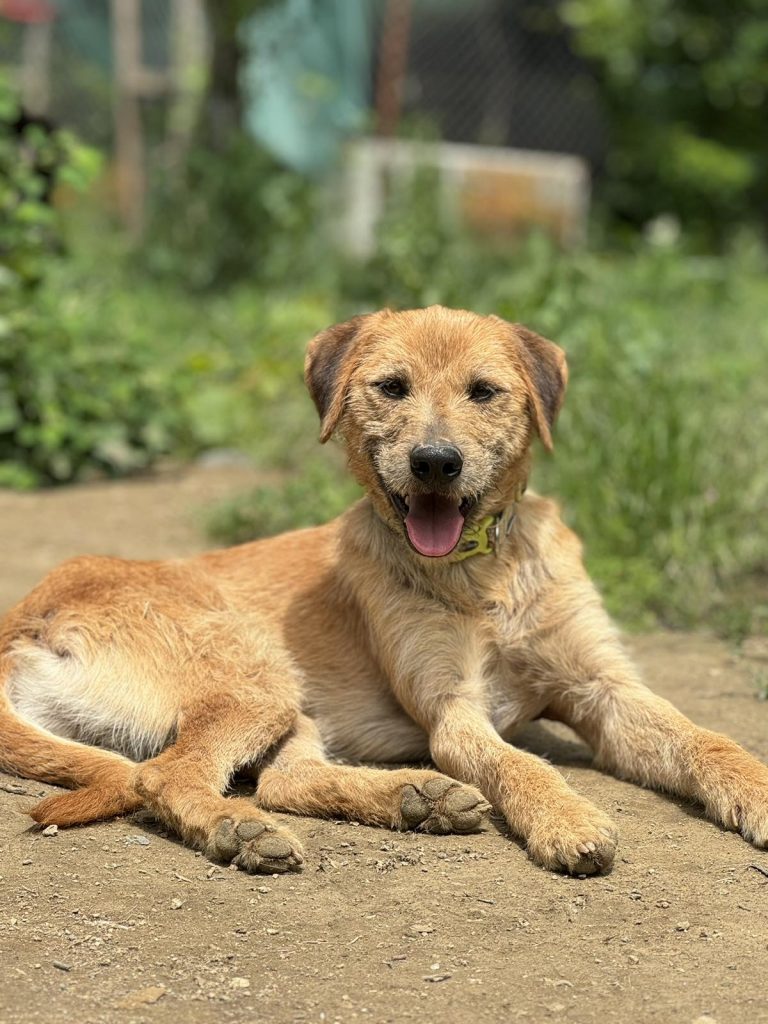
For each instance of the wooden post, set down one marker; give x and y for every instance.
(129, 139)
(393, 63)
(188, 63)
(36, 67)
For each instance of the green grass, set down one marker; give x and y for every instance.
(658, 460)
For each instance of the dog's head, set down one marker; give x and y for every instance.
(437, 408)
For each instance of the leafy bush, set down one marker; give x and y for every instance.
(71, 407)
(684, 86)
(101, 371)
(231, 216)
(35, 373)
(165, 371)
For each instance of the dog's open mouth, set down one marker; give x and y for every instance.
(433, 522)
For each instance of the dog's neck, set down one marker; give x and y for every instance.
(489, 536)
(465, 584)
(485, 536)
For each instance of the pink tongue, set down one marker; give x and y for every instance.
(434, 524)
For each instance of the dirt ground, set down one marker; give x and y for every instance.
(118, 922)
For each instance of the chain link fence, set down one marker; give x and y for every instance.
(501, 73)
(497, 73)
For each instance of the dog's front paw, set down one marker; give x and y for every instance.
(581, 841)
(442, 805)
(752, 822)
(256, 847)
(745, 811)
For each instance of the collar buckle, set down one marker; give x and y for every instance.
(482, 539)
(485, 537)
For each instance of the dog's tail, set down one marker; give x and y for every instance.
(102, 782)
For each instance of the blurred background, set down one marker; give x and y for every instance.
(189, 190)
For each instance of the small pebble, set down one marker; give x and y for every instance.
(51, 830)
(12, 787)
(143, 997)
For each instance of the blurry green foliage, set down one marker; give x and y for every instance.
(231, 215)
(46, 395)
(420, 257)
(314, 495)
(74, 406)
(208, 370)
(656, 462)
(29, 155)
(685, 87)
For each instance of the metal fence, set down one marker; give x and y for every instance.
(501, 73)
(127, 74)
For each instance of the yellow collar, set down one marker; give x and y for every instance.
(484, 537)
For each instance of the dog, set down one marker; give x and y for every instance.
(442, 611)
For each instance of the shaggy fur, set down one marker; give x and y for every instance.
(151, 683)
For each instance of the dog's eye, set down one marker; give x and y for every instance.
(480, 391)
(393, 387)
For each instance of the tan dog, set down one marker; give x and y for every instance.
(435, 616)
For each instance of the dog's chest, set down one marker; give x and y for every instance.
(508, 666)
(512, 699)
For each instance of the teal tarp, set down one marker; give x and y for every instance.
(307, 79)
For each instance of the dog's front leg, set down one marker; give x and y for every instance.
(437, 674)
(561, 830)
(641, 737)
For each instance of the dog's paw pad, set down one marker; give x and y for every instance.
(256, 847)
(433, 789)
(441, 805)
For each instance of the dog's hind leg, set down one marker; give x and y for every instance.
(183, 785)
(100, 779)
(301, 780)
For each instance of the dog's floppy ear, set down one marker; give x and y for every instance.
(545, 372)
(327, 370)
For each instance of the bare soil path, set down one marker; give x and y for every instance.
(119, 923)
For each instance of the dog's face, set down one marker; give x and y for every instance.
(437, 408)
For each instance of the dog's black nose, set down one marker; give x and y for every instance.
(436, 463)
